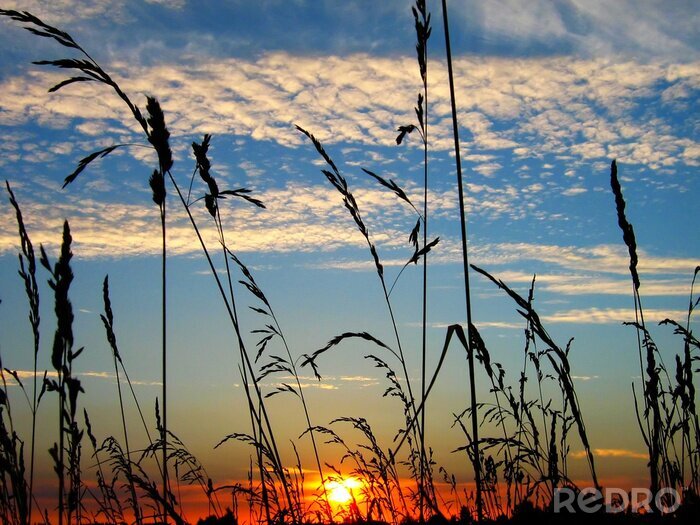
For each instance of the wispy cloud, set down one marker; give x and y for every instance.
(327, 383)
(610, 315)
(499, 325)
(611, 453)
(299, 218)
(605, 258)
(529, 106)
(584, 378)
(582, 27)
(24, 375)
(584, 283)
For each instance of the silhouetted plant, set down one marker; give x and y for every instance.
(669, 405)
(67, 386)
(528, 454)
(465, 263)
(27, 271)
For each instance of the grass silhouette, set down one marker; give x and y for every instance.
(517, 470)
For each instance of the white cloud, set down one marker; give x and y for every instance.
(25, 375)
(610, 315)
(585, 378)
(530, 107)
(571, 192)
(601, 258)
(500, 325)
(299, 218)
(584, 283)
(584, 27)
(63, 11)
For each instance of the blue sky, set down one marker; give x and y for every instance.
(549, 93)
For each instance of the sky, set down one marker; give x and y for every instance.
(548, 93)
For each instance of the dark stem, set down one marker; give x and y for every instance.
(61, 467)
(132, 488)
(254, 415)
(164, 434)
(465, 260)
(276, 459)
(423, 457)
(34, 411)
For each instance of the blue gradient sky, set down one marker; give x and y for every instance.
(548, 94)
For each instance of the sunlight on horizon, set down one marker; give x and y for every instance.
(305, 293)
(340, 490)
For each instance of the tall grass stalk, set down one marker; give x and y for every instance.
(67, 386)
(212, 199)
(157, 134)
(686, 390)
(108, 322)
(465, 265)
(281, 365)
(262, 420)
(423, 30)
(14, 495)
(28, 275)
(109, 505)
(558, 358)
(340, 184)
(650, 374)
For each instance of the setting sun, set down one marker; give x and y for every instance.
(309, 335)
(340, 490)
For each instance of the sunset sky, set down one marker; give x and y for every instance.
(548, 94)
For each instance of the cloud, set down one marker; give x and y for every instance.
(61, 12)
(571, 192)
(582, 27)
(585, 378)
(327, 383)
(594, 259)
(64, 11)
(561, 106)
(299, 218)
(594, 283)
(499, 325)
(24, 375)
(172, 4)
(611, 453)
(611, 315)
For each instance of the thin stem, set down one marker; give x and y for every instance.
(61, 468)
(465, 261)
(230, 308)
(108, 321)
(164, 438)
(254, 415)
(328, 509)
(423, 457)
(34, 411)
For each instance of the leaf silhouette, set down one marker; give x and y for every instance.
(87, 160)
(403, 131)
(413, 237)
(243, 194)
(71, 80)
(424, 250)
(45, 30)
(391, 185)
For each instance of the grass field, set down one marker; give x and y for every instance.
(518, 436)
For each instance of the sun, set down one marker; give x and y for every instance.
(339, 490)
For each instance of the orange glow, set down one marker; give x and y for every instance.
(339, 490)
